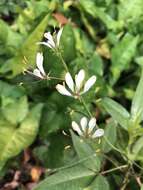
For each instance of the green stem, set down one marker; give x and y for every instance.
(85, 106)
(126, 180)
(115, 148)
(63, 62)
(114, 169)
(55, 78)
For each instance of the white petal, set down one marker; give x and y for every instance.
(69, 81)
(76, 128)
(91, 124)
(46, 44)
(50, 39)
(89, 83)
(98, 133)
(37, 73)
(83, 123)
(62, 90)
(79, 78)
(59, 36)
(39, 63)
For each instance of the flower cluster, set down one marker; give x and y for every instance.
(87, 128)
(71, 87)
(76, 87)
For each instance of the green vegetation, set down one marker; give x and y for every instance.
(50, 138)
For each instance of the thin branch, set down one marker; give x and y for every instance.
(114, 169)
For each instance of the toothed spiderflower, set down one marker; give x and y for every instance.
(76, 87)
(52, 41)
(87, 128)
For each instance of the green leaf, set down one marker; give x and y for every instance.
(14, 139)
(68, 43)
(118, 112)
(14, 110)
(137, 147)
(137, 102)
(91, 8)
(96, 65)
(111, 136)
(76, 176)
(100, 183)
(122, 55)
(3, 31)
(28, 50)
(85, 151)
(12, 91)
(130, 10)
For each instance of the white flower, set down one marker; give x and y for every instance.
(52, 41)
(76, 87)
(87, 128)
(39, 71)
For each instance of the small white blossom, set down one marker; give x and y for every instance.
(52, 41)
(39, 71)
(87, 128)
(76, 87)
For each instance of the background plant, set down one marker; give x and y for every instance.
(105, 39)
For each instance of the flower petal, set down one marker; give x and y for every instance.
(89, 83)
(50, 39)
(37, 73)
(46, 44)
(62, 90)
(76, 128)
(79, 78)
(59, 36)
(69, 81)
(39, 63)
(91, 124)
(83, 123)
(98, 133)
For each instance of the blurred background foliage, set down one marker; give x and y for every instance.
(102, 36)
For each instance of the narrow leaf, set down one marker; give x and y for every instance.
(137, 103)
(122, 55)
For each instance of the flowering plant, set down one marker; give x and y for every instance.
(73, 117)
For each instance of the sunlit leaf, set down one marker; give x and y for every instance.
(137, 102)
(28, 50)
(122, 55)
(14, 139)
